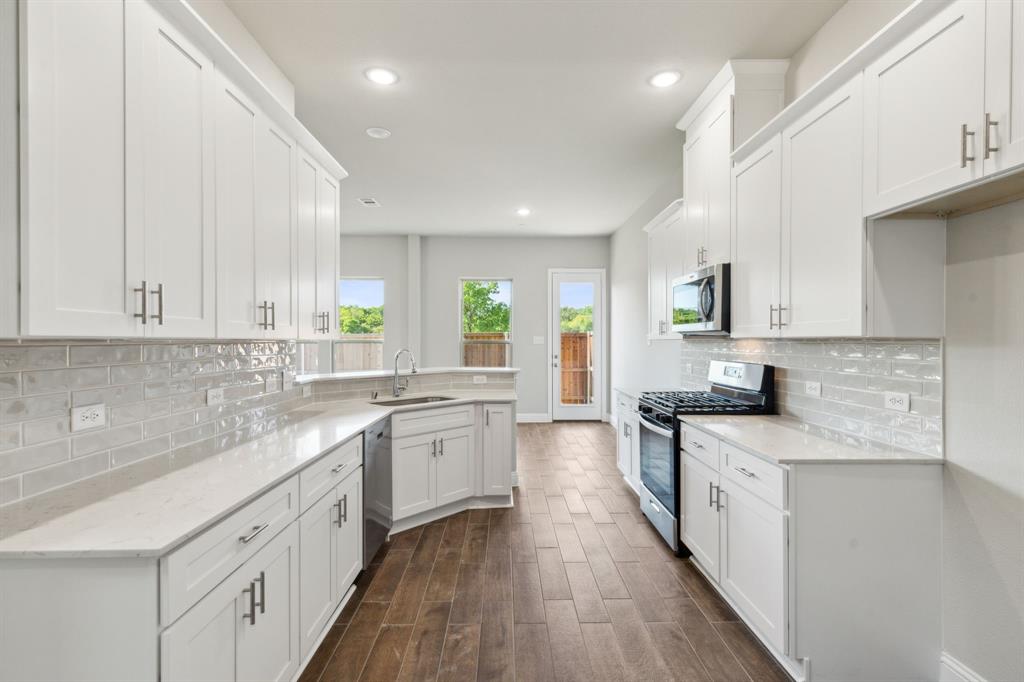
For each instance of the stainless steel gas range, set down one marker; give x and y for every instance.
(736, 388)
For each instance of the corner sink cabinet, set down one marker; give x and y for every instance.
(790, 546)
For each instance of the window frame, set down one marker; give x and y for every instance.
(353, 338)
(511, 320)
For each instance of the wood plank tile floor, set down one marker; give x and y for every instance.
(570, 584)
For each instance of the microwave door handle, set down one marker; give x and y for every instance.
(704, 314)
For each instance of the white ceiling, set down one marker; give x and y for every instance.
(503, 104)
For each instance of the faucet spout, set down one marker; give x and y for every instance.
(397, 388)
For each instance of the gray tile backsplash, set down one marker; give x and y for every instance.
(854, 376)
(155, 395)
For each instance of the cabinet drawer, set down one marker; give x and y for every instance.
(189, 572)
(762, 478)
(321, 476)
(435, 419)
(701, 445)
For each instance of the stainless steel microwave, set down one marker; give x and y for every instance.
(700, 301)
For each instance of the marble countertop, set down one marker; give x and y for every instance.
(157, 515)
(387, 373)
(783, 441)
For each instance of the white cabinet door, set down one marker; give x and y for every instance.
(327, 227)
(349, 546)
(753, 569)
(1004, 86)
(822, 219)
(200, 646)
(917, 99)
(756, 216)
(170, 94)
(268, 649)
(306, 180)
(499, 435)
(236, 218)
(624, 446)
(674, 246)
(276, 278)
(657, 282)
(413, 472)
(317, 576)
(700, 520)
(82, 261)
(717, 167)
(695, 193)
(456, 465)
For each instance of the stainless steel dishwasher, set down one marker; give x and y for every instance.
(376, 487)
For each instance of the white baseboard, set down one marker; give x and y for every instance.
(952, 670)
(608, 417)
(533, 418)
(485, 502)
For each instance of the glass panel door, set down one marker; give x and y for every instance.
(576, 344)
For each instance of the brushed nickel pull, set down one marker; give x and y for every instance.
(696, 444)
(337, 517)
(963, 145)
(487, 417)
(263, 593)
(442, 447)
(159, 291)
(988, 134)
(263, 308)
(256, 530)
(780, 323)
(435, 447)
(252, 603)
(748, 474)
(698, 257)
(338, 468)
(771, 317)
(711, 494)
(718, 499)
(273, 316)
(145, 302)
(344, 514)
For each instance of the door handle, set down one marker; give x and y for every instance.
(745, 472)
(337, 517)
(435, 447)
(273, 316)
(159, 291)
(771, 317)
(252, 603)
(263, 307)
(964, 132)
(442, 447)
(718, 499)
(487, 417)
(263, 593)
(256, 530)
(989, 123)
(145, 302)
(711, 494)
(344, 513)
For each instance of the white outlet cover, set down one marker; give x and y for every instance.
(307, 391)
(214, 396)
(88, 417)
(287, 379)
(479, 379)
(813, 388)
(898, 402)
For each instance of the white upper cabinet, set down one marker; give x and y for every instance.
(756, 239)
(822, 225)
(81, 260)
(707, 163)
(665, 245)
(924, 103)
(1002, 140)
(327, 226)
(306, 180)
(237, 129)
(170, 96)
(276, 263)
(317, 234)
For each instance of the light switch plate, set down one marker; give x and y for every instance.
(479, 379)
(88, 417)
(287, 380)
(899, 402)
(214, 396)
(813, 388)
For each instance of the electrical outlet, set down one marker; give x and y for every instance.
(307, 391)
(287, 380)
(479, 379)
(900, 402)
(88, 417)
(813, 388)
(214, 396)
(688, 367)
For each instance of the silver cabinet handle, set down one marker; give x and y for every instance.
(626, 431)
(442, 447)
(263, 592)
(745, 472)
(487, 417)
(159, 292)
(435, 447)
(344, 503)
(339, 468)
(145, 302)
(256, 530)
(964, 132)
(337, 517)
(263, 307)
(325, 322)
(771, 317)
(698, 256)
(711, 494)
(780, 323)
(252, 603)
(273, 316)
(718, 499)
(989, 123)
(696, 444)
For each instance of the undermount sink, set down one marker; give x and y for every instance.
(412, 401)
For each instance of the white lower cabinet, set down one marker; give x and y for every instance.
(700, 527)
(627, 451)
(245, 628)
(498, 449)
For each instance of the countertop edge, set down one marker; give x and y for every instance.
(388, 373)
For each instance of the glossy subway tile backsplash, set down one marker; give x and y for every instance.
(155, 397)
(854, 375)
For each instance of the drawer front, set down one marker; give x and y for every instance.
(701, 445)
(435, 419)
(625, 402)
(320, 477)
(191, 571)
(764, 479)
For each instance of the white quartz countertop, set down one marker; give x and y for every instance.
(386, 373)
(782, 440)
(152, 518)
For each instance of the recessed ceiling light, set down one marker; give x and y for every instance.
(378, 133)
(664, 79)
(523, 212)
(381, 76)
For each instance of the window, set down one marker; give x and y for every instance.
(486, 338)
(361, 321)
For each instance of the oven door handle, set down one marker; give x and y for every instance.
(660, 430)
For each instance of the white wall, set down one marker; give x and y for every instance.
(635, 361)
(234, 33)
(849, 28)
(383, 257)
(8, 169)
(983, 515)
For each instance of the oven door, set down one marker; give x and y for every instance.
(658, 464)
(700, 301)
